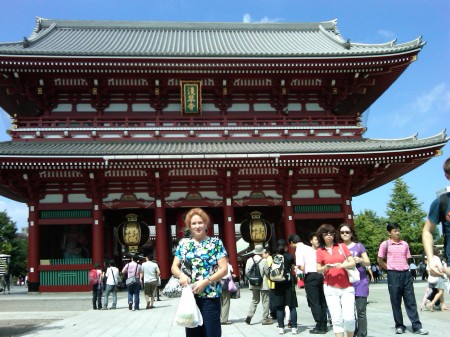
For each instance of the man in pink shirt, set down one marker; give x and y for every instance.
(400, 281)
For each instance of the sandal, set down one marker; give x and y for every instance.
(430, 307)
(444, 308)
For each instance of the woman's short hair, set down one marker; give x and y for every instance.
(326, 228)
(196, 211)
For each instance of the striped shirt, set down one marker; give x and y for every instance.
(397, 254)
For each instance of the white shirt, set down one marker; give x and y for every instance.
(109, 276)
(308, 259)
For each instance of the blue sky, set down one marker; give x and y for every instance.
(418, 102)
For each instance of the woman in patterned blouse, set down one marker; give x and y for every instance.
(201, 262)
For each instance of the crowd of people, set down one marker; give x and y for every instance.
(335, 267)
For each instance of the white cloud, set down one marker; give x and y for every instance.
(429, 111)
(248, 19)
(386, 34)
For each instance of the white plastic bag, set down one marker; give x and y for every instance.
(188, 314)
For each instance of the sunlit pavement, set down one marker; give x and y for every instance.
(70, 314)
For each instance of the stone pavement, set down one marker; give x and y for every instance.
(70, 314)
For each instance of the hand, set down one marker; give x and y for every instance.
(435, 271)
(184, 280)
(199, 286)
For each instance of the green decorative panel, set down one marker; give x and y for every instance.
(66, 214)
(64, 278)
(317, 209)
(70, 261)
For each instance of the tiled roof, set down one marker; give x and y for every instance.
(194, 39)
(211, 149)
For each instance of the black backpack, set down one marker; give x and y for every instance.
(254, 275)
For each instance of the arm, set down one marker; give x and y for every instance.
(382, 263)
(427, 240)
(322, 268)
(213, 278)
(364, 259)
(371, 274)
(176, 272)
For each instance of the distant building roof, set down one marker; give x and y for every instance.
(195, 39)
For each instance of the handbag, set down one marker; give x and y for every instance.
(231, 285)
(131, 280)
(353, 273)
(188, 314)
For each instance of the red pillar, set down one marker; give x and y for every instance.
(162, 240)
(229, 235)
(348, 211)
(97, 233)
(33, 247)
(289, 222)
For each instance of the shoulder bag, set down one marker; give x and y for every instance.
(353, 273)
(131, 280)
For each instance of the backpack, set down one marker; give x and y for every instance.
(254, 275)
(277, 272)
(93, 277)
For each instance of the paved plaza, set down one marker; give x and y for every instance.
(71, 314)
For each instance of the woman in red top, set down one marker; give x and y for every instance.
(332, 259)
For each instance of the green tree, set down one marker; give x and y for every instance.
(13, 245)
(371, 230)
(404, 209)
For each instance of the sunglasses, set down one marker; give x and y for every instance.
(346, 232)
(328, 233)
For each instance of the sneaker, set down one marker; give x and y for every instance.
(317, 331)
(134, 309)
(281, 331)
(105, 308)
(267, 322)
(112, 308)
(399, 331)
(294, 331)
(130, 305)
(248, 320)
(421, 332)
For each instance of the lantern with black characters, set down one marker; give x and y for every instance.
(133, 233)
(256, 229)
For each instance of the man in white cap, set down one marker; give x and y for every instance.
(259, 292)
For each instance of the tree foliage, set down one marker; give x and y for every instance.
(371, 230)
(404, 209)
(13, 245)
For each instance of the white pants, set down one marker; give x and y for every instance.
(341, 303)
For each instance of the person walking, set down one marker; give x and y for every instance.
(259, 292)
(439, 213)
(284, 292)
(225, 297)
(112, 280)
(332, 260)
(350, 239)
(7, 281)
(201, 261)
(307, 262)
(271, 285)
(151, 272)
(97, 287)
(133, 270)
(437, 285)
(400, 281)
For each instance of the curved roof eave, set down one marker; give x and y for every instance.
(107, 39)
